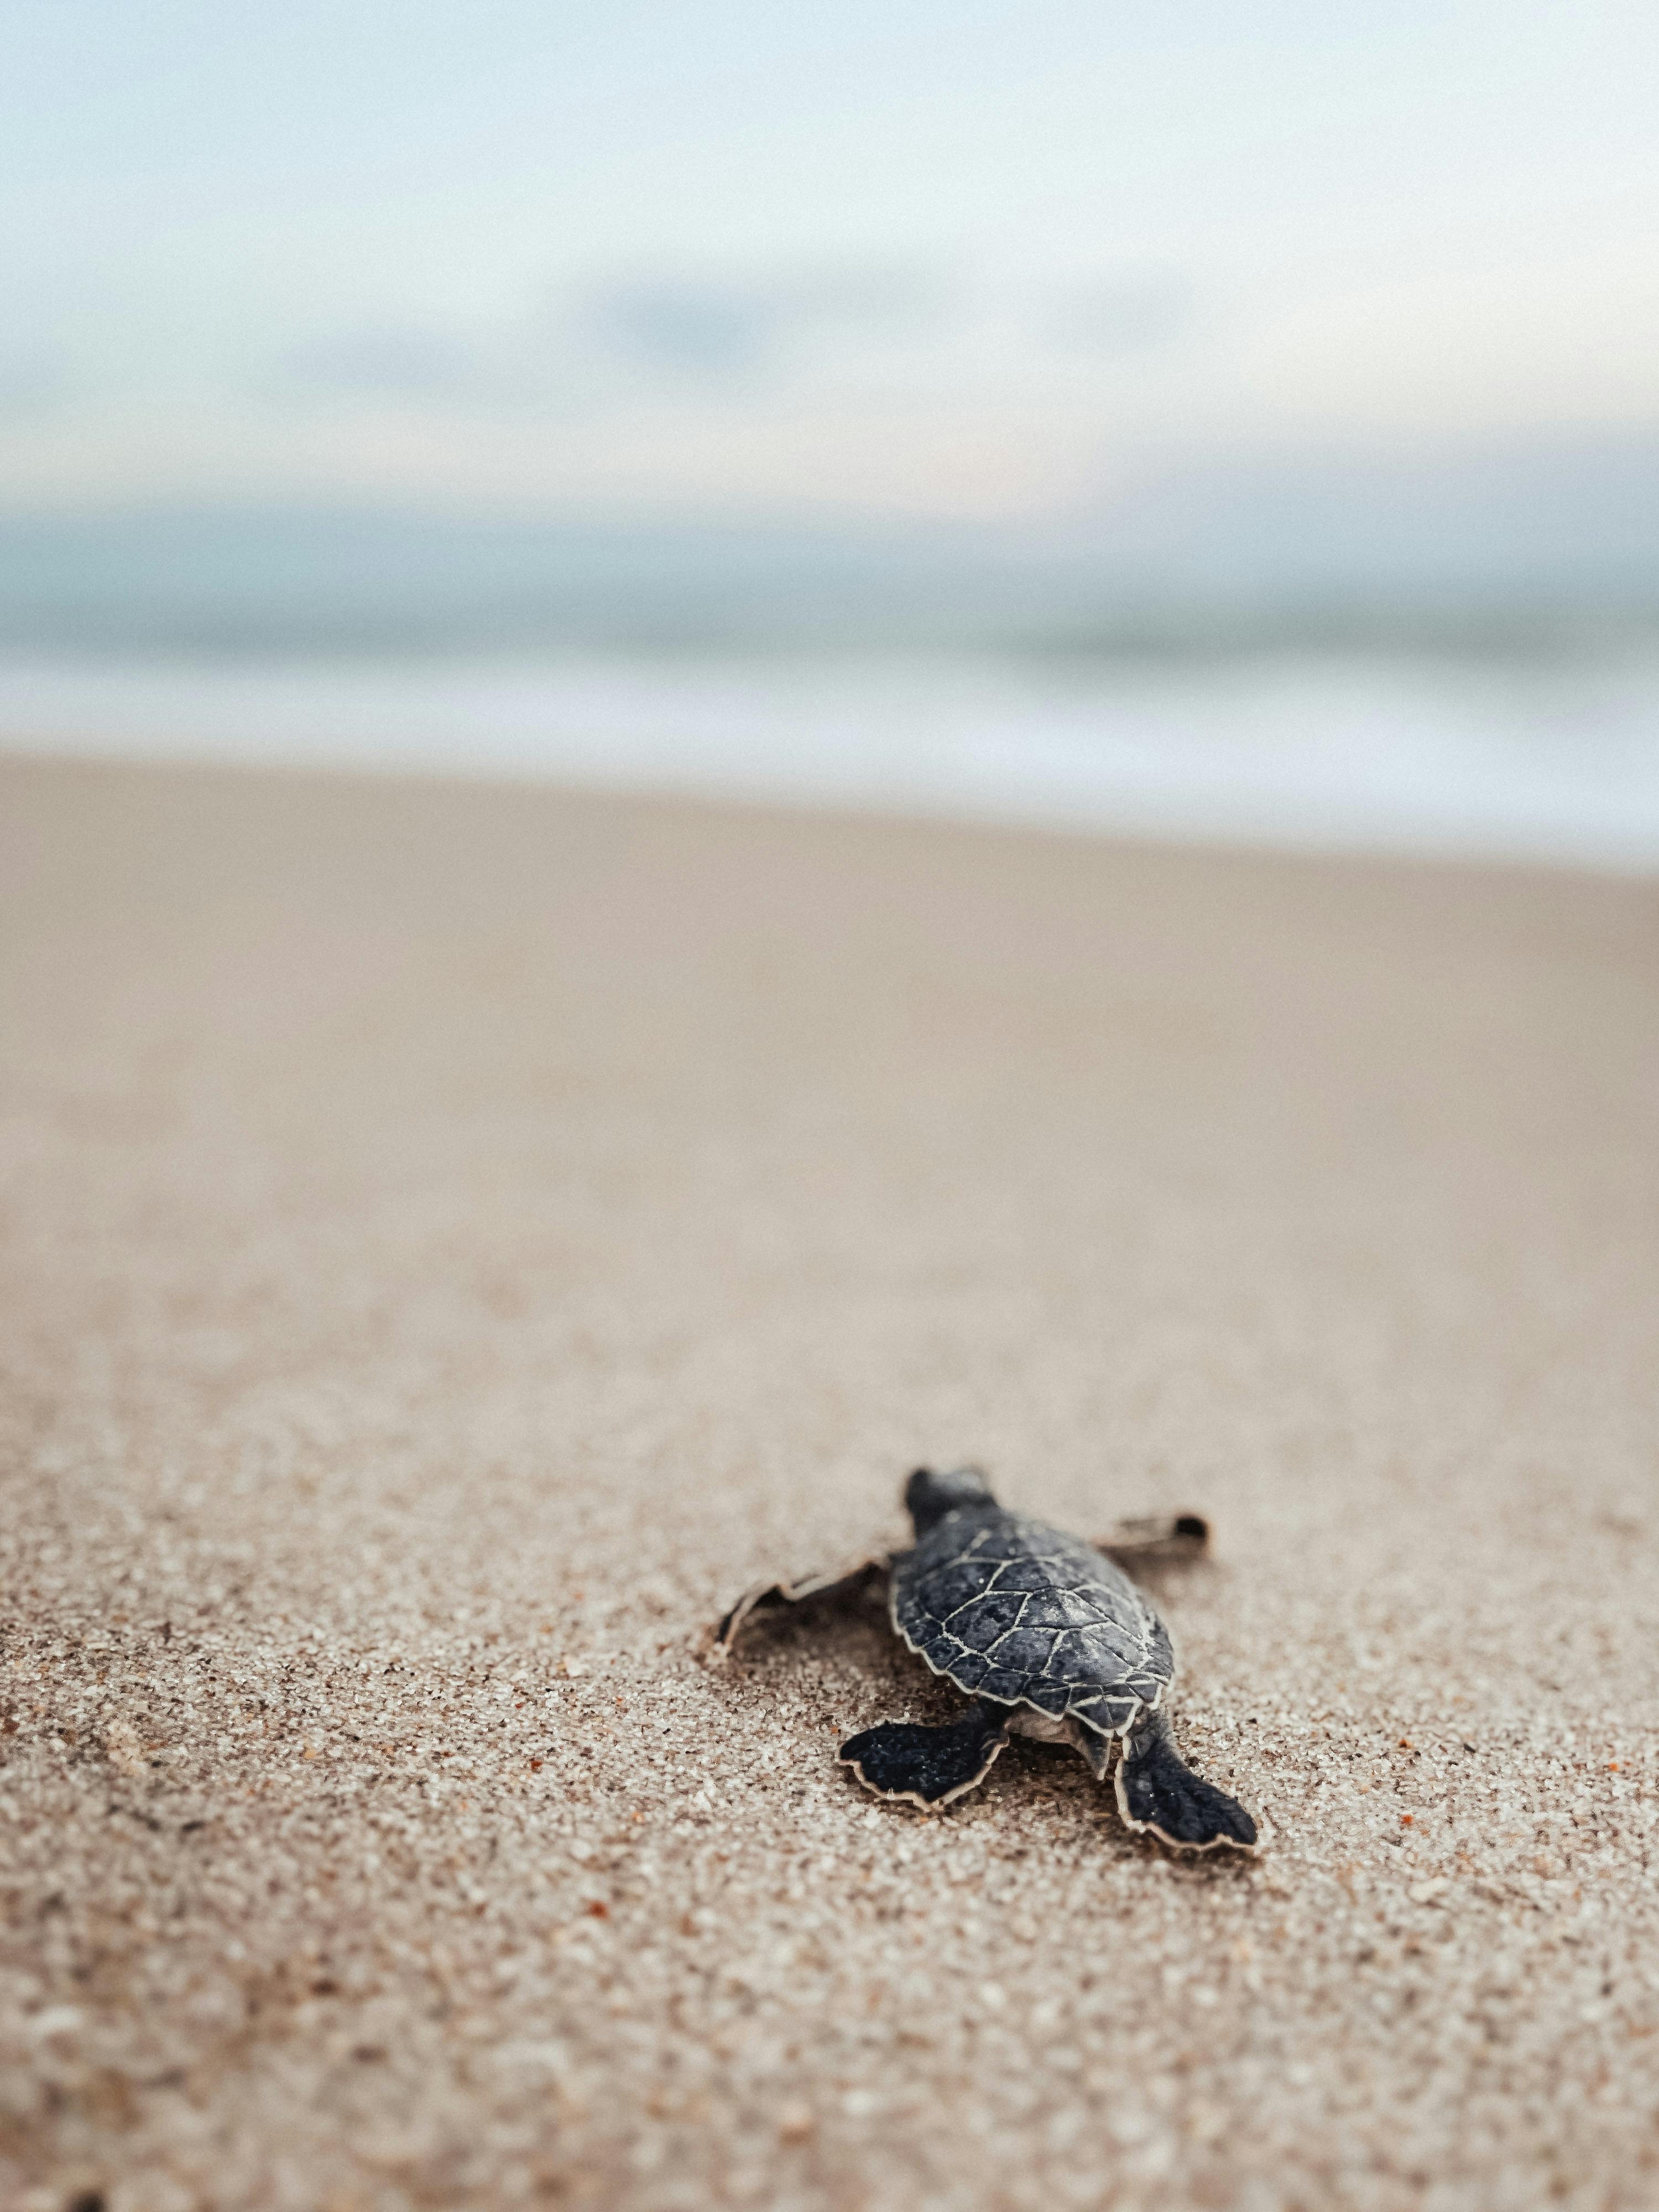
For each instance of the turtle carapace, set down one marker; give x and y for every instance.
(1049, 1637)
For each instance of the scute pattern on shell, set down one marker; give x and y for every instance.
(1013, 1610)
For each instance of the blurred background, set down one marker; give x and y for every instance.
(1197, 421)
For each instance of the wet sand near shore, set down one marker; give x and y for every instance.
(455, 1238)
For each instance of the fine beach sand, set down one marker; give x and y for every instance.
(456, 1237)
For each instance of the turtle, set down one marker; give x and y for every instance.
(1046, 1636)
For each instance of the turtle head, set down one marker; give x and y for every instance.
(929, 1497)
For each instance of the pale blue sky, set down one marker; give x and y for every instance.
(963, 260)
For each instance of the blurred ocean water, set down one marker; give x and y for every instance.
(1510, 722)
(1337, 751)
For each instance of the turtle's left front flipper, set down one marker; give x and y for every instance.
(928, 1766)
(1157, 1792)
(765, 1597)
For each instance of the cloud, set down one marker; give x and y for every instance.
(31, 379)
(700, 330)
(1128, 313)
(675, 334)
(710, 327)
(393, 362)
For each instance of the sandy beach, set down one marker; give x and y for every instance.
(455, 1238)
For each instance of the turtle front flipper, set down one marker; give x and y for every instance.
(928, 1766)
(1157, 1793)
(766, 1596)
(1154, 1536)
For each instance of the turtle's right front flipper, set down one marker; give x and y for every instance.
(928, 1766)
(765, 1597)
(1158, 1791)
(1156, 1537)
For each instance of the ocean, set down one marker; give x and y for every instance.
(1510, 723)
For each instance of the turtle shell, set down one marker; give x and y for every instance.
(1012, 1610)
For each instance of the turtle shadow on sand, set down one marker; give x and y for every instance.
(1048, 1638)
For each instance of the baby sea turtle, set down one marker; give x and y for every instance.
(1048, 1636)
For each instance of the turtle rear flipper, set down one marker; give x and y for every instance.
(927, 1766)
(1157, 1790)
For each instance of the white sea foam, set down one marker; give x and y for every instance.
(1555, 762)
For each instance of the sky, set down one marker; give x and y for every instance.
(975, 262)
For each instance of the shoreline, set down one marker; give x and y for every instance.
(1293, 755)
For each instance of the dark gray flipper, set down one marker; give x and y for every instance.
(1158, 1791)
(928, 1766)
(1157, 1536)
(765, 1597)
